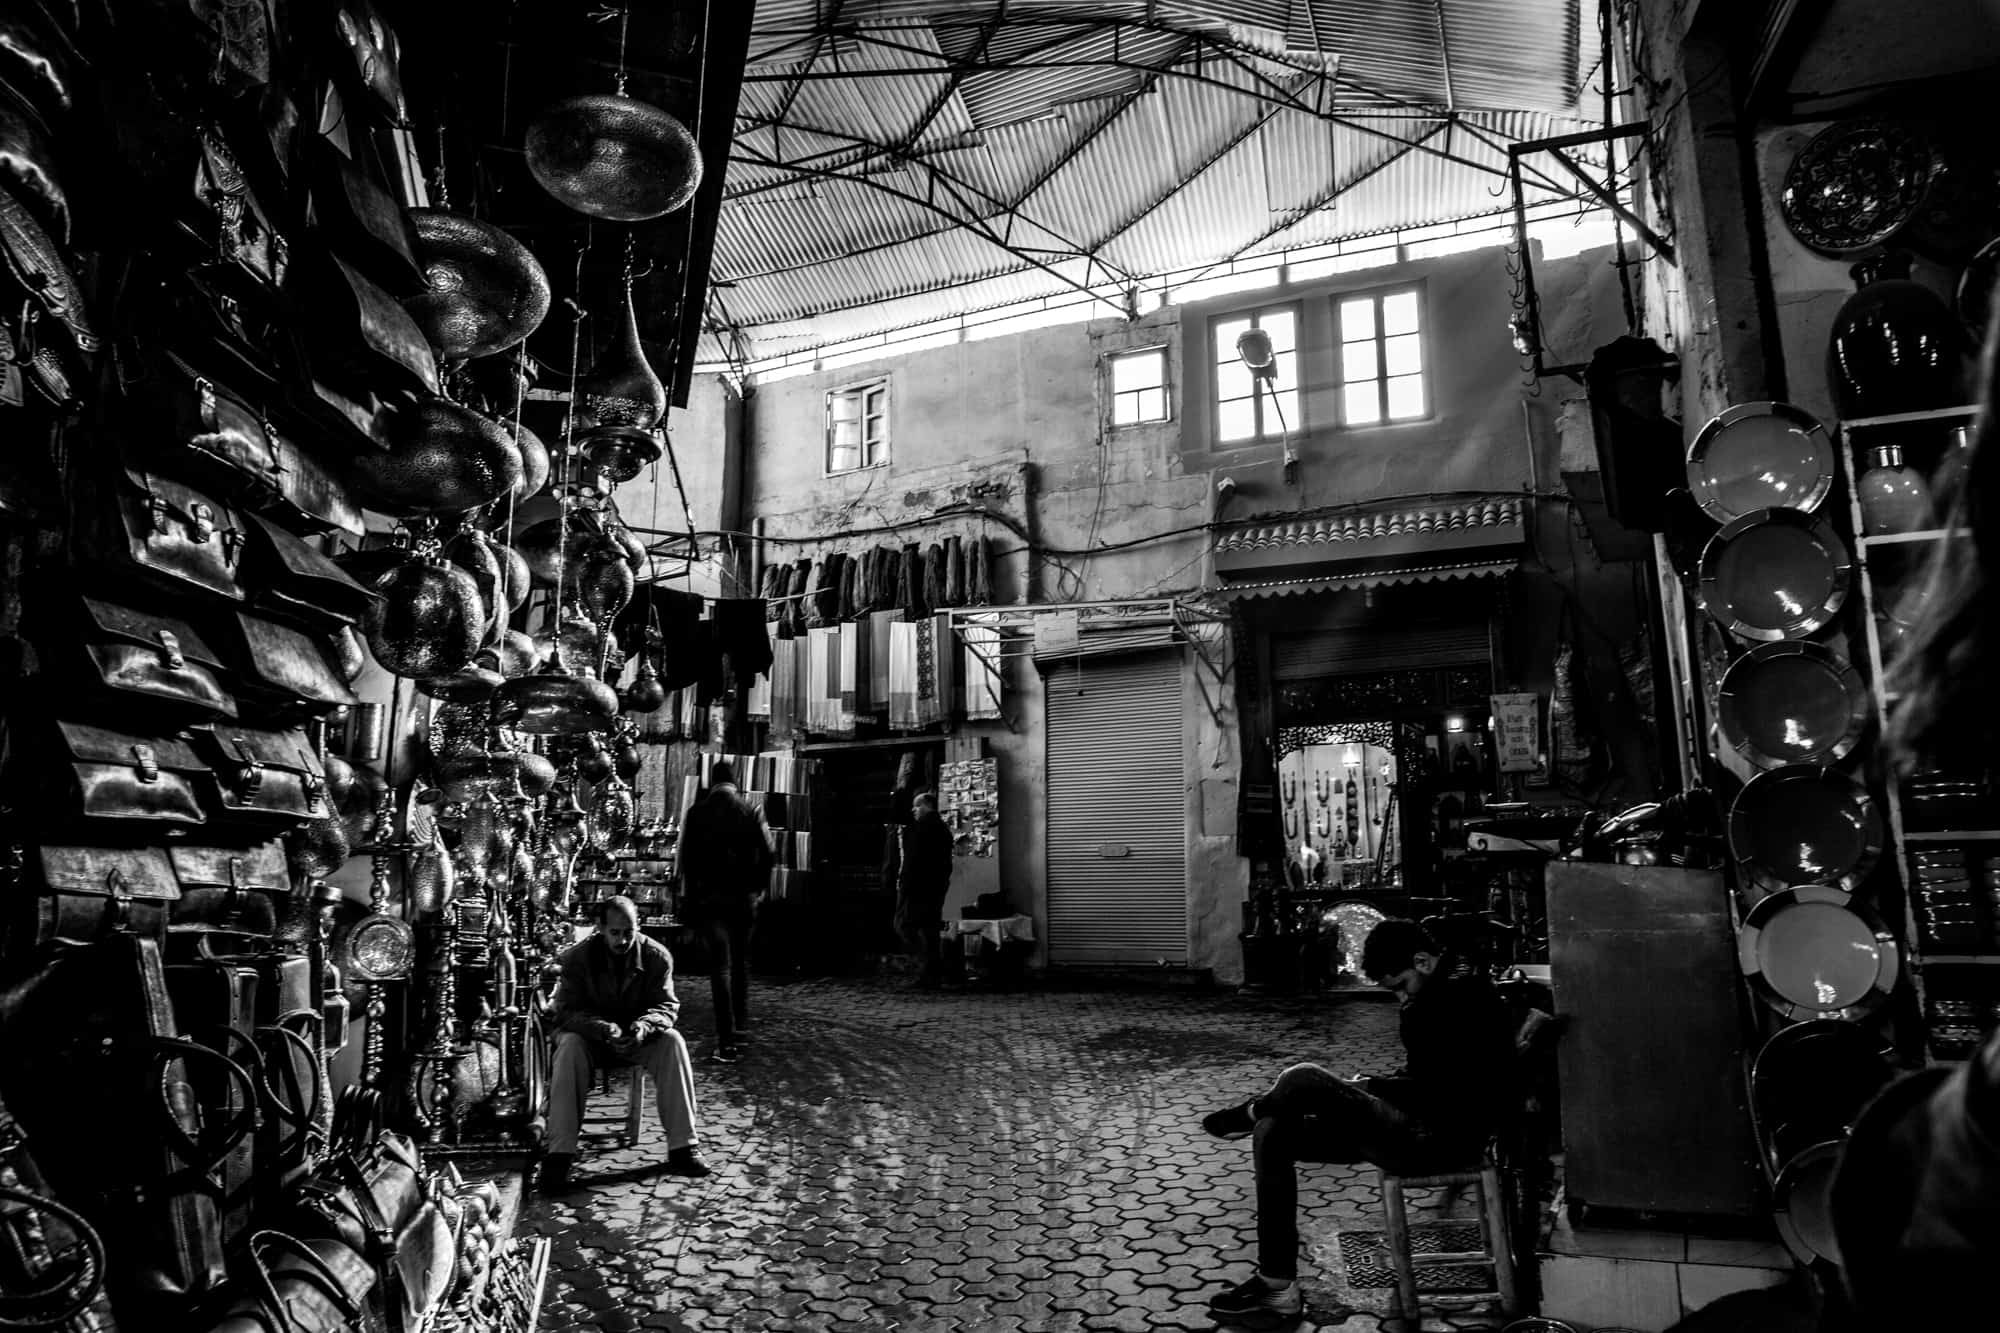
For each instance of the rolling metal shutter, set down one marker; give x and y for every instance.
(1117, 812)
(1383, 648)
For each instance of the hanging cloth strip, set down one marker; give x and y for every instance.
(878, 658)
(853, 673)
(675, 612)
(934, 669)
(954, 572)
(802, 573)
(979, 577)
(903, 675)
(784, 688)
(740, 633)
(850, 578)
(982, 672)
(910, 581)
(820, 668)
(933, 578)
(757, 702)
(778, 579)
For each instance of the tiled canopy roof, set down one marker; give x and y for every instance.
(1345, 536)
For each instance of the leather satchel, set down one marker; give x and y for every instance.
(49, 1274)
(376, 1201)
(293, 582)
(362, 338)
(146, 658)
(114, 775)
(271, 779)
(89, 893)
(363, 224)
(174, 536)
(215, 1003)
(278, 670)
(232, 891)
(297, 1286)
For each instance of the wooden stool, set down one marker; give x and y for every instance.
(1496, 1250)
(635, 1103)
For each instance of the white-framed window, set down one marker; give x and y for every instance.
(1138, 386)
(1382, 361)
(857, 427)
(1245, 408)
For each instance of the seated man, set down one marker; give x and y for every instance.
(616, 1005)
(1456, 1089)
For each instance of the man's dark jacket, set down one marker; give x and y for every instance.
(596, 991)
(1459, 1080)
(724, 858)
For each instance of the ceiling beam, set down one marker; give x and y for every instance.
(977, 226)
(1444, 50)
(1325, 197)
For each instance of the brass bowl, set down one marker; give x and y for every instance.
(486, 292)
(614, 157)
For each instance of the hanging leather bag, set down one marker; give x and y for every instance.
(144, 658)
(290, 1285)
(375, 1200)
(51, 1259)
(172, 536)
(293, 582)
(361, 339)
(362, 223)
(268, 779)
(84, 894)
(279, 672)
(228, 891)
(117, 776)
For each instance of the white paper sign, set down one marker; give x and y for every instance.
(1517, 731)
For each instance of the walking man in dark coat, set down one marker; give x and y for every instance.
(921, 888)
(725, 865)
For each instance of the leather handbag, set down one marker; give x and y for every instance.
(271, 779)
(362, 339)
(174, 536)
(293, 582)
(278, 670)
(363, 224)
(115, 775)
(290, 1285)
(147, 658)
(87, 893)
(375, 1200)
(215, 1003)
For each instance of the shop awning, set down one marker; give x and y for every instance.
(1372, 578)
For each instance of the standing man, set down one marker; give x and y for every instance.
(921, 887)
(1455, 1090)
(616, 1005)
(724, 861)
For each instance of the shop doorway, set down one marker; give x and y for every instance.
(1116, 811)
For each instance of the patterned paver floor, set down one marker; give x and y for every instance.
(1017, 1160)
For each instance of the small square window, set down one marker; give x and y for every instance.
(857, 427)
(1138, 386)
(1382, 358)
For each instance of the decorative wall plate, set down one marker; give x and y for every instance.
(1856, 184)
(1811, 1080)
(1804, 824)
(1760, 456)
(1813, 952)
(1801, 1204)
(1792, 702)
(1775, 574)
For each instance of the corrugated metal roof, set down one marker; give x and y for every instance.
(1093, 145)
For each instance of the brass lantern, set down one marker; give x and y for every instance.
(613, 157)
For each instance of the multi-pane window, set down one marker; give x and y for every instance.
(1246, 409)
(857, 427)
(1381, 358)
(1139, 386)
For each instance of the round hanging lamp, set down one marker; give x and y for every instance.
(614, 157)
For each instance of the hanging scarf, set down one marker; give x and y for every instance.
(909, 580)
(979, 579)
(933, 578)
(802, 573)
(954, 572)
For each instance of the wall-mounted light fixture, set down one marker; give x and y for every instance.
(1253, 347)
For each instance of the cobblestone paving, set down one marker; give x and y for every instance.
(896, 1160)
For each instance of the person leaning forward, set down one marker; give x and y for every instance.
(724, 861)
(615, 1005)
(1456, 1089)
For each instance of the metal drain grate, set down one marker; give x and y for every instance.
(1365, 1256)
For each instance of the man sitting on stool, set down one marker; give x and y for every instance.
(616, 1005)
(1455, 1090)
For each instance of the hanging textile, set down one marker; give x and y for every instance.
(934, 669)
(850, 579)
(784, 688)
(954, 572)
(741, 635)
(853, 673)
(903, 674)
(979, 573)
(777, 607)
(982, 672)
(801, 594)
(692, 716)
(933, 567)
(910, 581)
(757, 703)
(822, 709)
(878, 658)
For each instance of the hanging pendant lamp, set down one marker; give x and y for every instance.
(553, 702)
(624, 402)
(485, 291)
(612, 157)
(442, 458)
